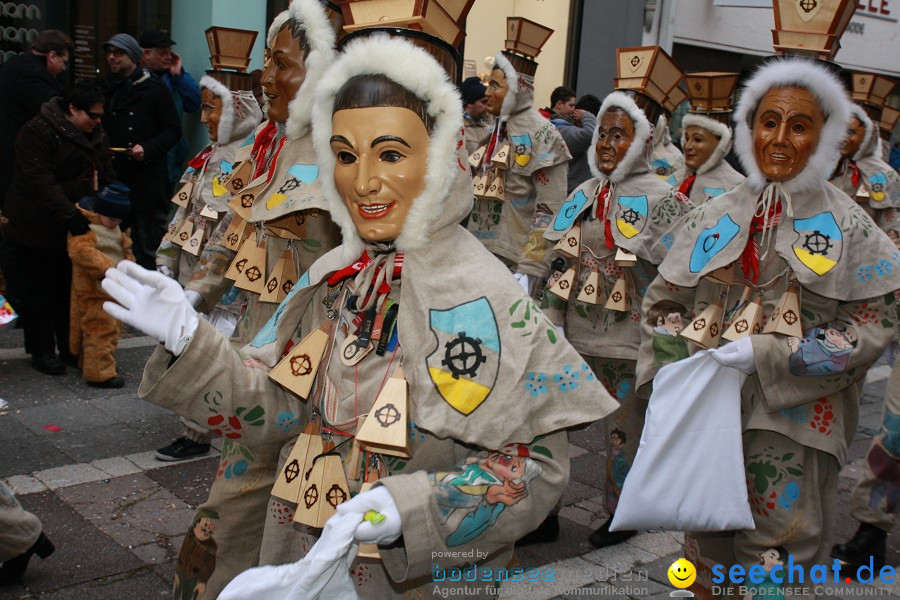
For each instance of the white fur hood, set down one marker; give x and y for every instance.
(320, 36)
(240, 111)
(637, 157)
(790, 72)
(717, 128)
(871, 143)
(447, 197)
(520, 95)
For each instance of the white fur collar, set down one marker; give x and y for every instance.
(832, 97)
(275, 27)
(414, 69)
(638, 153)
(319, 34)
(870, 143)
(717, 128)
(512, 81)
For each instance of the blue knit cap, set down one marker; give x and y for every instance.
(128, 44)
(112, 201)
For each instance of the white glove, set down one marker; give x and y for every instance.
(380, 500)
(522, 278)
(165, 271)
(195, 298)
(151, 302)
(737, 355)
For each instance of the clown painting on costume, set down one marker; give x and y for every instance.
(824, 350)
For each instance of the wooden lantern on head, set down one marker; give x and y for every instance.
(711, 94)
(889, 116)
(524, 40)
(440, 18)
(651, 72)
(811, 27)
(230, 48)
(871, 89)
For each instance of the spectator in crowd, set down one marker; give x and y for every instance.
(61, 155)
(476, 118)
(141, 120)
(28, 80)
(158, 58)
(577, 132)
(562, 103)
(21, 537)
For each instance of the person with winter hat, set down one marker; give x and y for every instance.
(387, 128)
(817, 265)
(707, 139)
(613, 230)
(476, 118)
(93, 334)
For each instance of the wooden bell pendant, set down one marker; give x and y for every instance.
(183, 196)
(591, 293)
(722, 275)
(171, 230)
(368, 550)
(241, 202)
(786, 316)
(326, 488)
(624, 258)
(239, 177)
(289, 484)
(501, 157)
(297, 371)
(562, 287)
(497, 188)
(238, 230)
(747, 322)
(476, 157)
(480, 185)
(185, 230)
(618, 298)
(706, 329)
(195, 242)
(386, 430)
(281, 280)
(570, 245)
(250, 263)
(208, 213)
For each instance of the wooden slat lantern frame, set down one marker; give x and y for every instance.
(889, 117)
(711, 91)
(811, 27)
(230, 48)
(526, 37)
(871, 88)
(440, 18)
(651, 71)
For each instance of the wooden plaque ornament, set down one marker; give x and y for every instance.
(570, 245)
(500, 159)
(591, 292)
(173, 227)
(195, 243)
(207, 212)
(240, 259)
(747, 322)
(706, 329)
(785, 318)
(183, 196)
(618, 298)
(563, 286)
(185, 230)
(289, 484)
(297, 371)
(326, 487)
(281, 279)
(387, 424)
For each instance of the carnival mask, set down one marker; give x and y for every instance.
(614, 137)
(699, 144)
(380, 164)
(856, 131)
(496, 91)
(283, 74)
(210, 113)
(786, 129)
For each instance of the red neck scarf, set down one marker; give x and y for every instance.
(602, 208)
(687, 184)
(750, 255)
(198, 162)
(355, 268)
(261, 146)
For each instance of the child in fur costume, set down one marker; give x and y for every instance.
(94, 334)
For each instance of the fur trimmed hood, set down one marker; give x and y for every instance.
(717, 128)
(871, 143)
(520, 95)
(240, 111)
(637, 158)
(832, 98)
(447, 197)
(320, 36)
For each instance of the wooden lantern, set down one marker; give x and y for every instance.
(810, 27)
(289, 483)
(386, 430)
(650, 71)
(785, 318)
(526, 37)
(430, 16)
(711, 91)
(570, 244)
(889, 116)
(591, 292)
(676, 97)
(230, 48)
(871, 88)
(562, 287)
(618, 298)
(706, 329)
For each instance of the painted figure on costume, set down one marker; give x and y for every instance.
(823, 350)
(666, 319)
(197, 558)
(768, 589)
(617, 466)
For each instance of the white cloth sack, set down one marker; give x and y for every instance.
(688, 474)
(323, 574)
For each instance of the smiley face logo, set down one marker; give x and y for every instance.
(682, 573)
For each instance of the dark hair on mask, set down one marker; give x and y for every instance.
(83, 95)
(298, 33)
(365, 91)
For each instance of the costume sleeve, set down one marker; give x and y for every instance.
(34, 150)
(208, 278)
(187, 88)
(447, 516)
(210, 384)
(830, 357)
(166, 120)
(578, 139)
(85, 255)
(550, 193)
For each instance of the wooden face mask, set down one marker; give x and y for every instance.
(786, 129)
(698, 146)
(210, 113)
(380, 163)
(497, 89)
(283, 74)
(856, 131)
(614, 137)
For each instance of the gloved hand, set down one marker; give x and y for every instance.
(151, 302)
(77, 223)
(737, 355)
(523, 280)
(380, 500)
(165, 270)
(193, 297)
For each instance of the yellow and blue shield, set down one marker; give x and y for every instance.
(631, 216)
(878, 184)
(465, 364)
(819, 242)
(297, 174)
(521, 149)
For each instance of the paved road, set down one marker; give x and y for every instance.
(117, 515)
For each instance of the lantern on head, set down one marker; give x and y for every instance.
(810, 27)
(711, 94)
(653, 76)
(229, 55)
(524, 40)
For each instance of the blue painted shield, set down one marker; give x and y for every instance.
(713, 192)
(819, 242)
(304, 173)
(631, 215)
(225, 167)
(711, 241)
(569, 211)
(661, 166)
(269, 332)
(465, 364)
(878, 184)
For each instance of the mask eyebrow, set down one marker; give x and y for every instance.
(389, 138)
(341, 139)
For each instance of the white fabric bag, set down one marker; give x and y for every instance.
(688, 474)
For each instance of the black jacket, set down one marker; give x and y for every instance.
(140, 110)
(54, 169)
(25, 84)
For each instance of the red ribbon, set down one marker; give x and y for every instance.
(854, 179)
(602, 209)
(261, 146)
(687, 184)
(198, 161)
(750, 255)
(355, 268)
